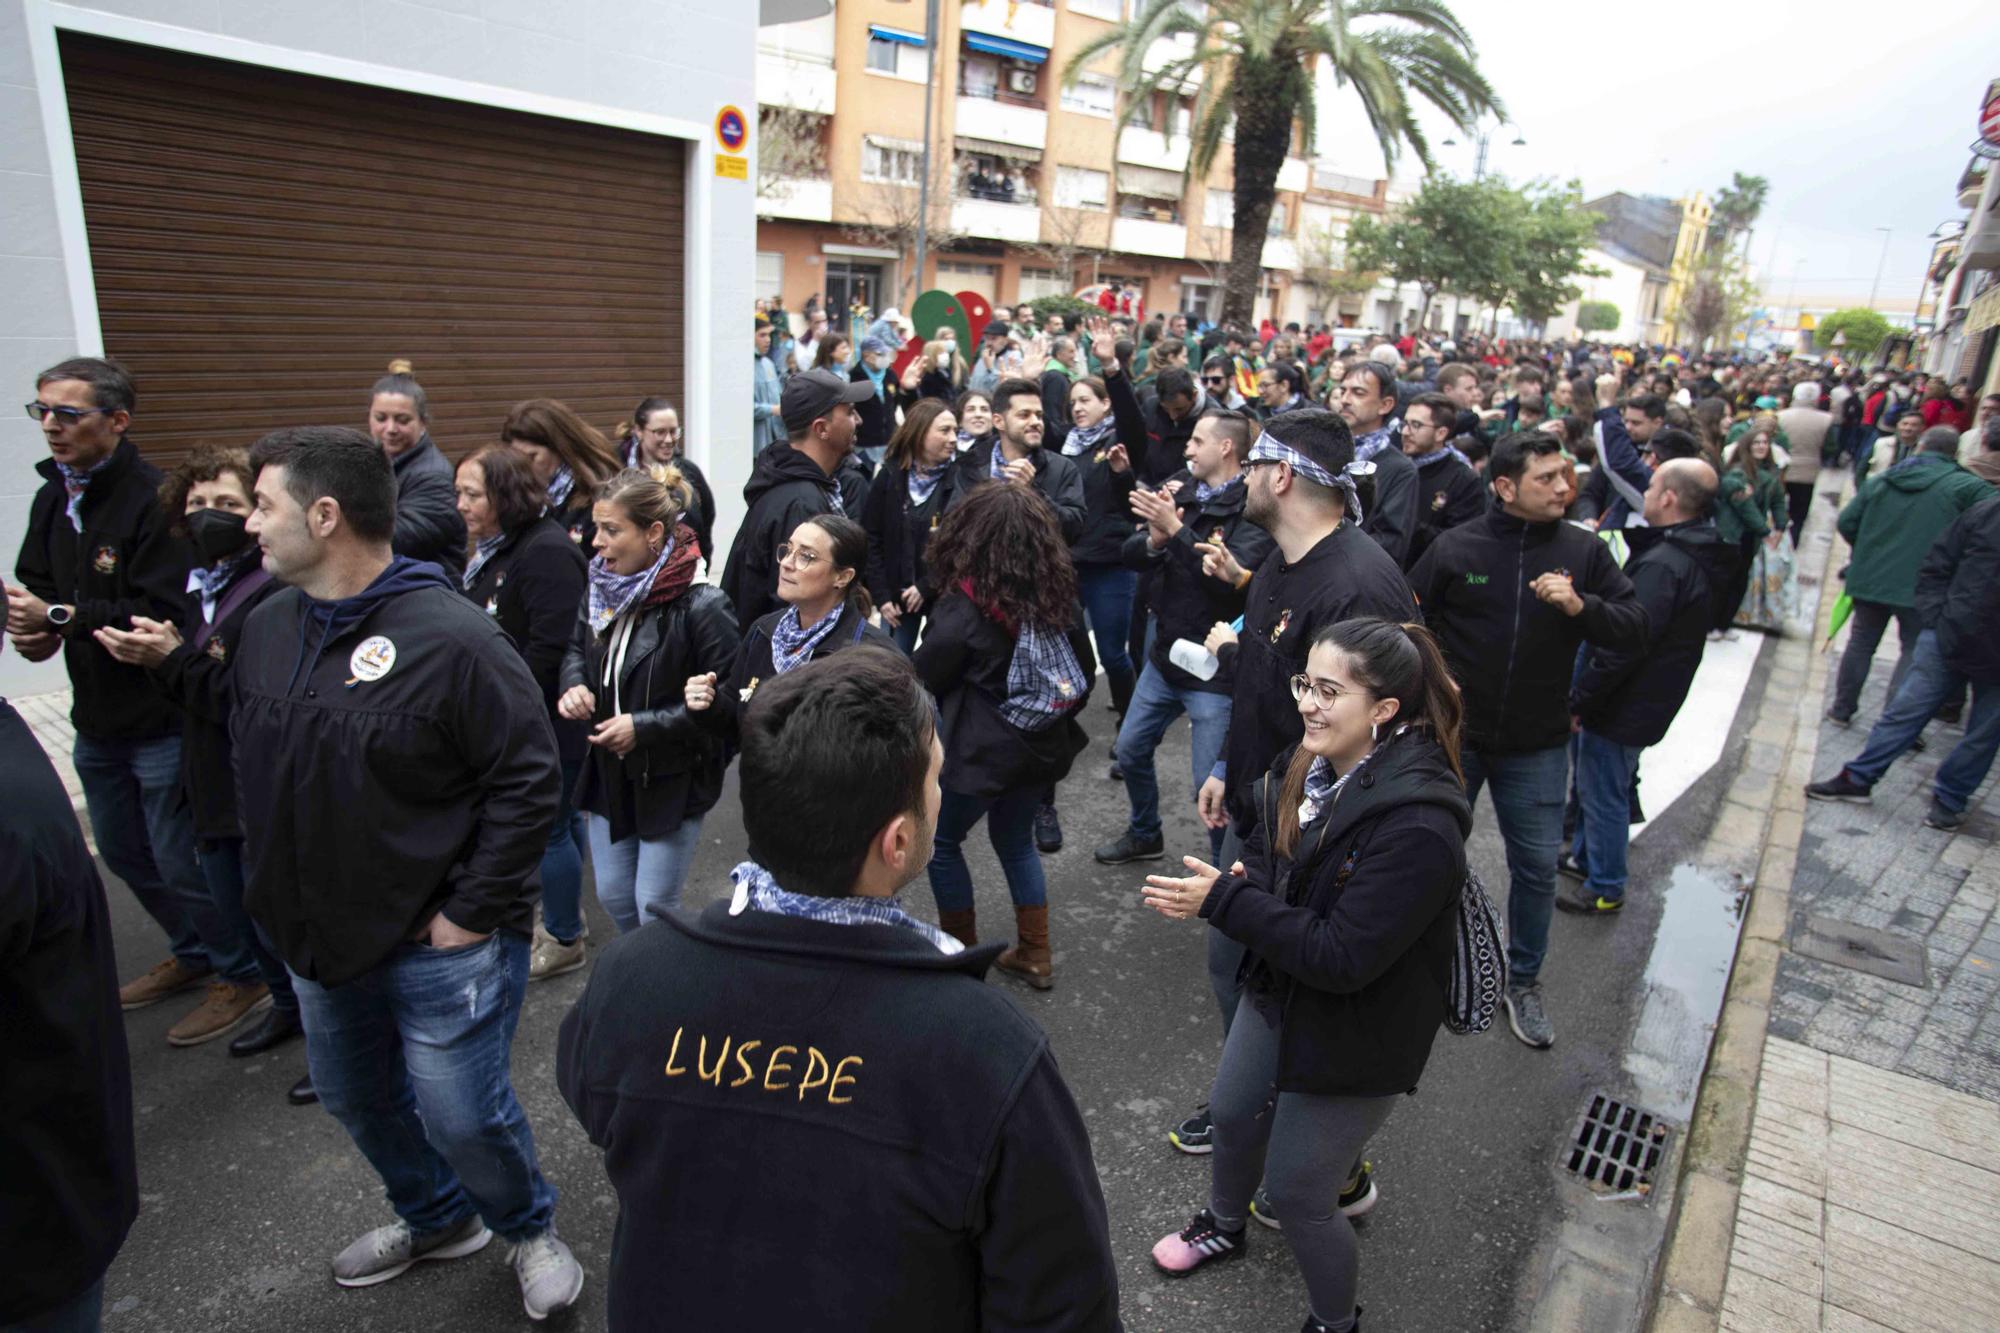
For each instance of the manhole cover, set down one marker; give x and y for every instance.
(1616, 1147)
(1880, 953)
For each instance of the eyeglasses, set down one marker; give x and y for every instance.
(1215, 379)
(662, 433)
(798, 555)
(68, 416)
(1325, 693)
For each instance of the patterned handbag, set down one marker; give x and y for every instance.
(1479, 953)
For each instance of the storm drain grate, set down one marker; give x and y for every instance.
(1617, 1146)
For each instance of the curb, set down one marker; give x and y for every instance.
(1758, 832)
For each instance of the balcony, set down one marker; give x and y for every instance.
(1003, 122)
(1294, 175)
(1281, 253)
(1139, 236)
(797, 197)
(1017, 20)
(997, 220)
(1150, 148)
(799, 82)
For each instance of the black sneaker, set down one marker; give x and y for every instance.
(1842, 722)
(1048, 829)
(1114, 773)
(1357, 1199)
(1130, 847)
(1314, 1324)
(1919, 745)
(1840, 787)
(1201, 1241)
(1195, 1135)
(1528, 1018)
(1939, 817)
(1567, 864)
(1952, 715)
(1578, 898)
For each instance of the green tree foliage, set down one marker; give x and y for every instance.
(1864, 328)
(1596, 317)
(1556, 231)
(1255, 61)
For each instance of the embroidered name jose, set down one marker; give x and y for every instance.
(769, 1068)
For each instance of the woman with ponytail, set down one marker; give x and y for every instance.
(826, 609)
(1346, 901)
(645, 627)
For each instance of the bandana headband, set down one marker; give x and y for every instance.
(1268, 449)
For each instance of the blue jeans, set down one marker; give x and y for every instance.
(411, 1057)
(1604, 773)
(1528, 793)
(1929, 683)
(562, 864)
(1155, 705)
(83, 1313)
(1107, 592)
(1010, 826)
(1864, 634)
(637, 875)
(222, 865)
(145, 832)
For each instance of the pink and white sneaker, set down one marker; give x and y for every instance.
(1200, 1242)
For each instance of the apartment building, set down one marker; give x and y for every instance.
(1031, 191)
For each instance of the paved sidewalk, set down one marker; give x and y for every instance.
(47, 715)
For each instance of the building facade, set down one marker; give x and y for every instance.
(1032, 193)
(258, 206)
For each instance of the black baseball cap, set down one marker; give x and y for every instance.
(811, 394)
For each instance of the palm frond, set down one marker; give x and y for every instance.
(1425, 15)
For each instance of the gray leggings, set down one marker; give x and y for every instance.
(1303, 1146)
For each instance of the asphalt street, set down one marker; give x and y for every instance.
(245, 1199)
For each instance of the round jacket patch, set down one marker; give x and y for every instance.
(372, 660)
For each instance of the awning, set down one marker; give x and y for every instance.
(1004, 46)
(897, 145)
(994, 148)
(1150, 182)
(889, 34)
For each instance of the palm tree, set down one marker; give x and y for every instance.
(1737, 206)
(1255, 60)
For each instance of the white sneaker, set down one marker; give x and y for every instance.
(551, 1279)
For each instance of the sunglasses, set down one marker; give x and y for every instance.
(68, 416)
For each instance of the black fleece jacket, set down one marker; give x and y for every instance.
(753, 666)
(786, 487)
(1349, 940)
(1512, 653)
(124, 563)
(428, 526)
(1187, 603)
(1958, 593)
(1631, 696)
(1059, 480)
(394, 760)
(199, 676)
(1107, 511)
(899, 530)
(837, 1127)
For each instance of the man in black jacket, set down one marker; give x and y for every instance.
(1175, 405)
(68, 1188)
(98, 552)
(428, 524)
(1958, 603)
(1016, 454)
(1511, 596)
(397, 778)
(1187, 603)
(1367, 402)
(1626, 699)
(807, 1096)
(1449, 491)
(789, 485)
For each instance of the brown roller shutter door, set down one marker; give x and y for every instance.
(264, 243)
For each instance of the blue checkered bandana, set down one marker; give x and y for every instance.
(757, 891)
(1267, 449)
(1045, 682)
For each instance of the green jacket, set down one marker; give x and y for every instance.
(1893, 521)
(1737, 512)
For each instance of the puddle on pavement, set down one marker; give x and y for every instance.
(1685, 981)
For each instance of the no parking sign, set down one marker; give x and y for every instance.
(732, 131)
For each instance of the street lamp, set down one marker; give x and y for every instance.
(1482, 141)
(1876, 285)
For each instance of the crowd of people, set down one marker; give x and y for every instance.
(352, 717)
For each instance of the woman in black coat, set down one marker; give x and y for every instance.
(1007, 658)
(644, 628)
(207, 499)
(570, 458)
(1107, 428)
(904, 507)
(827, 609)
(1346, 901)
(528, 575)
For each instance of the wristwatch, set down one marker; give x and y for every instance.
(59, 618)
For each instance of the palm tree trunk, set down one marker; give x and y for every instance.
(1263, 101)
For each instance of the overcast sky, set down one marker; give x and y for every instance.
(1860, 117)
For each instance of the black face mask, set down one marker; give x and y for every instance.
(217, 534)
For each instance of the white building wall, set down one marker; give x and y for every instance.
(657, 66)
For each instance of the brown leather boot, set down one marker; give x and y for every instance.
(961, 926)
(1029, 958)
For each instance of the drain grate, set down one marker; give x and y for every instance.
(1617, 1146)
